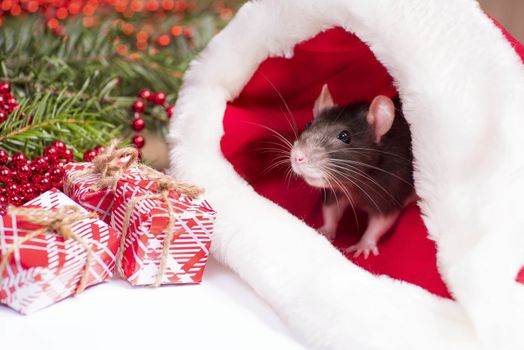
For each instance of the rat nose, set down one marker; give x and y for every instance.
(300, 157)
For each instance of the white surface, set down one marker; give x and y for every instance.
(221, 313)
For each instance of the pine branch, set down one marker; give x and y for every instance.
(79, 89)
(55, 117)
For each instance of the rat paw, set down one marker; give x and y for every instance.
(328, 232)
(363, 247)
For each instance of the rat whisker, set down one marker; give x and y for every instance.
(288, 176)
(276, 133)
(354, 162)
(352, 181)
(275, 151)
(276, 143)
(291, 122)
(357, 150)
(275, 165)
(344, 191)
(378, 151)
(367, 177)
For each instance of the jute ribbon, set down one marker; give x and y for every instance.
(58, 222)
(108, 164)
(165, 185)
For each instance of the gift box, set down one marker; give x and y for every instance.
(46, 262)
(167, 233)
(93, 188)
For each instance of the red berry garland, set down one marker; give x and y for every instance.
(7, 102)
(91, 154)
(22, 180)
(138, 124)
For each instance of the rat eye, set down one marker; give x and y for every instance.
(344, 136)
(308, 125)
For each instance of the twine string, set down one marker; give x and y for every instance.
(58, 222)
(165, 185)
(108, 165)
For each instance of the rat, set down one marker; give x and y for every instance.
(360, 154)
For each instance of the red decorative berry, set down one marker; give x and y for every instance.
(12, 189)
(50, 151)
(3, 200)
(27, 185)
(89, 155)
(138, 124)
(15, 199)
(4, 157)
(159, 98)
(23, 172)
(99, 149)
(40, 165)
(44, 184)
(57, 184)
(5, 88)
(19, 158)
(170, 110)
(5, 174)
(138, 106)
(56, 173)
(3, 116)
(139, 141)
(51, 160)
(145, 94)
(29, 192)
(60, 146)
(67, 155)
(36, 178)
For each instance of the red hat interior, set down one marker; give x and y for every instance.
(280, 94)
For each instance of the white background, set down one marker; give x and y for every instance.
(221, 313)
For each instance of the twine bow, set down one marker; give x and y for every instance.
(58, 222)
(108, 165)
(165, 185)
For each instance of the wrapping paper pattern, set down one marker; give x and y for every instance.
(48, 269)
(189, 249)
(81, 191)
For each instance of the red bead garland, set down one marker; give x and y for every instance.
(7, 102)
(22, 180)
(139, 141)
(138, 124)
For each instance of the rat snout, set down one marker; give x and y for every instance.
(300, 157)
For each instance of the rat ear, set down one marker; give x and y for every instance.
(323, 101)
(381, 115)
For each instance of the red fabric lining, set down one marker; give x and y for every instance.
(353, 74)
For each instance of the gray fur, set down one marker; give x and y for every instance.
(391, 171)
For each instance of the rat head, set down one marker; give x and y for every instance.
(341, 142)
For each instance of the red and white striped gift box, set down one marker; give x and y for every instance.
(81, 191)
(48, 268)
(189, 248)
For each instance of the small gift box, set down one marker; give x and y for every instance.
(52, 248)
(167, 231)
(92, 185)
